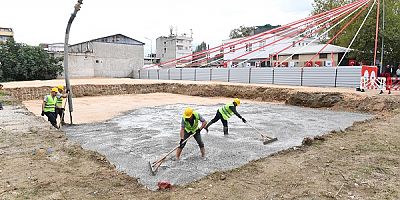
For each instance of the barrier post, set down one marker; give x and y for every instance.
(250, 75)
(180, 71)
(169, 74)
(229, 75)
(158, 74)
(273, 76)
(301, 76)
(195, 74)
(336, 76)
(148, 74)
(139, 74)
(210, 74)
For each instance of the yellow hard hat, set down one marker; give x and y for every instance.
(188, 113)
(54, 89)
(237, 101)
(61, 87)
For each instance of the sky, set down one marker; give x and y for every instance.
(44, 21)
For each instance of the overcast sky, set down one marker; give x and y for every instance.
(44, 21)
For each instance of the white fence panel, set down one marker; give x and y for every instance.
(239, 75)
(144, 74)
(153, 74)
(287, 76)
(188, 74)
(164, 74)
(261, 75)
(319, 76)
(348, 77)
(203, 74)
(175, 74)
(219, 75)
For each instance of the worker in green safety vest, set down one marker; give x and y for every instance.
(189, 126)
(49, 107)
(59, 105)
(224, 113)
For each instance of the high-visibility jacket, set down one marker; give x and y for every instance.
(50, 105)
(59, 103)
(225, 111)
(192, 128)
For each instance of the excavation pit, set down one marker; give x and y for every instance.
(145, 134)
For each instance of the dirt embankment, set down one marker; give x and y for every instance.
(334, 100)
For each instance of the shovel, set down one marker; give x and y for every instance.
(266, 139)
(156, 164)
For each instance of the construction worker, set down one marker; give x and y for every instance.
(49, 107)
(189, 126)
(59, 105)
(224, 113)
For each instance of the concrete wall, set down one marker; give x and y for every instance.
(81, 65)
(106, 60)
(117, 60)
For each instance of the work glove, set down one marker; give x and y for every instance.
(67, 91)
(63, 109)
(244, 120)
(42, 113)
(198, 131)
(181, 143)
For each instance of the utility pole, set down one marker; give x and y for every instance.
(151, 49)
(77, 7)
(383, 37)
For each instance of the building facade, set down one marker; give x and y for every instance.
(278, 50)
(115, 56)
(6, 34)
(173, 47)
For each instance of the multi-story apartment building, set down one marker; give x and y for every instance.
(6, 34)
(173, 47)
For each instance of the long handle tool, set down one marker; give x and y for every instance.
(156, 164)
(266, 139)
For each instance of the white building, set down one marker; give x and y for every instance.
(6, 34)
(173, 47)
(289, 52)
(114, 56)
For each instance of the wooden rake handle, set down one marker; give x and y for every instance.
(170, 152)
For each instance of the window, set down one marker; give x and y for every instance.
(275, 57)
(165, 50)
(232, 49)
(249, 47)
(262, 45)
(180, 47)
(252, 64)
(295, 57)
(323, 55)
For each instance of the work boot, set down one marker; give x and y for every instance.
(208, 125)
(381, 92)
(390, 92)
(226, 131)
(63, 123)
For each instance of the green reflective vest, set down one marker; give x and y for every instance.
(225, 111)
(59, 102)
(189, 128)
(50, 105)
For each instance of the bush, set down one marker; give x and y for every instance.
(20, 62)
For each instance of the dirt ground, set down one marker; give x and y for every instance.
(361, 162)
(102, 108)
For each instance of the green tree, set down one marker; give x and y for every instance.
(20, 62)
(242, 31)
(365, 42)
(201, 47)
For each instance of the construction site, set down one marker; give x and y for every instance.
(302, 132)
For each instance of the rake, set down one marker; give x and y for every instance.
(153, 167)
(266, 139)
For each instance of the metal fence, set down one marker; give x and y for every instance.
(313, 76)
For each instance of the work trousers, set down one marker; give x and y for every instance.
(217, 117)
(52, 118)
(197, 137)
